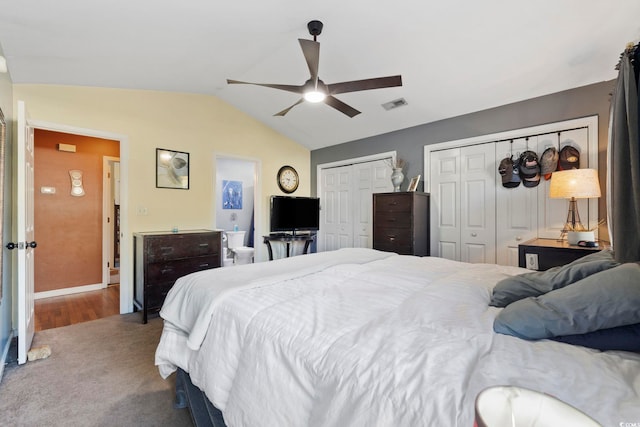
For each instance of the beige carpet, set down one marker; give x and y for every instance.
(100, 373)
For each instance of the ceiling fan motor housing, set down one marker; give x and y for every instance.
(315, 28)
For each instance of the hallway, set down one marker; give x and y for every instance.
(76, 308)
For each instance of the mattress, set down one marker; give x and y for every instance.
(361, 337)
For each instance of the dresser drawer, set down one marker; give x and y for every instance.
(392, 239)
(156, 294)
(393, 220)
(393, 203)
(160, 248)
(172, 270)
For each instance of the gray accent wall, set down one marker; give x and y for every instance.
(409, 143)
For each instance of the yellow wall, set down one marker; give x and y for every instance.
(201, 125)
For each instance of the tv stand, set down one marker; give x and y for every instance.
(288, 238)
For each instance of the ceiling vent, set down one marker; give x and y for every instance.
(400, 102)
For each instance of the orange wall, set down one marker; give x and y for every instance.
(68, 229)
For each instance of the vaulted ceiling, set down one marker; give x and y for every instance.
(455, 57)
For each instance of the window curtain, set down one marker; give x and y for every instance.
(623, 160)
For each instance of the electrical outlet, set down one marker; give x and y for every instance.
(531, 261)
(142, 210)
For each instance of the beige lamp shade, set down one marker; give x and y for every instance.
(575, 183)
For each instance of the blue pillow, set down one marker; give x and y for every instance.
(537, 283)
(603, 300)
(625, 338)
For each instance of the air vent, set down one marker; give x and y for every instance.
(400, 102)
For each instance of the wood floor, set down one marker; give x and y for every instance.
(77, 308)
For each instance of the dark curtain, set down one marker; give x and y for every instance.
(624, 160)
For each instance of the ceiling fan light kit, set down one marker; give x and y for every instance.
(315, 90)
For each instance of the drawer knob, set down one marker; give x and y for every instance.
(518, 238)
(474, 234)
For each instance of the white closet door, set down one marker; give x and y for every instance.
(336, 212)
(552, 213)
(516, 208)
(477, 204)
(445, 203)
(370, 177)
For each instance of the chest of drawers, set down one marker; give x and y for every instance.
(160, 258)
(401, 223)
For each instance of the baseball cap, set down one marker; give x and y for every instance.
(509, 171)
(529, 166)
(549, 162)
(569, 158)
(531, 181)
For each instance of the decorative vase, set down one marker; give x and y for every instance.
(396, 178)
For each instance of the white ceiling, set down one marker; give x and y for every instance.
(455, 56)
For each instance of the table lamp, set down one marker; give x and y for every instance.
(575, 184)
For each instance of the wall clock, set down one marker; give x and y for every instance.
(288, 179)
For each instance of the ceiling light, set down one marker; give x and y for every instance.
(3, 64)
(315, 96)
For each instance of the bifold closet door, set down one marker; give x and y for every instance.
(346, 215)
(516, 208)
(336, 213)
(369, 177)
(463, 203)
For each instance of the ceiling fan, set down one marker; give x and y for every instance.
(315, 90)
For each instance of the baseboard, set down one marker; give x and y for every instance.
(69, 291)
(5, 353)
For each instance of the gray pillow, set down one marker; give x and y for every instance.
(537, 283)
(603, 300)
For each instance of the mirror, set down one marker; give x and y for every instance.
(3, 143)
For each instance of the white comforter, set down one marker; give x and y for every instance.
(358, 337)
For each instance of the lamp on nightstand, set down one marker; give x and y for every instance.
(575, 184)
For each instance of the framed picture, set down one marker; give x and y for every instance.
(172, 169)
(413, 185)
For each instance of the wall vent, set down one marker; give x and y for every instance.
(400, 102)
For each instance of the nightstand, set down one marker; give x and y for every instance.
(542, 254)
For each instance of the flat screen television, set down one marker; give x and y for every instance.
(292, 214)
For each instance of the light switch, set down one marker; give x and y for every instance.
(48, 190)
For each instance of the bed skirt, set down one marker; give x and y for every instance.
(203, 413)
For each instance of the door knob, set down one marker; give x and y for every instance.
(32, 244)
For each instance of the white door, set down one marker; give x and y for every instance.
(371, 177)
(25, 236)
(346, 216)
(477, 204)
(517, 208)
(445, 203)
(335, 212)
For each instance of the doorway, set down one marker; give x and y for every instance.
(237, 199)
(74, 233)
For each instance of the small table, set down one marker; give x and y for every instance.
(287, 239)
(542, 254)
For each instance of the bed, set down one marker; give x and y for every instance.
(359, 337)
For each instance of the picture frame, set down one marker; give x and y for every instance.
(413, 185)
(172, 169)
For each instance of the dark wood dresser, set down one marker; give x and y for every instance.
(401, 223)
(160, 258)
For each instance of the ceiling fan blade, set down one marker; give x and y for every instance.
(367, 84)
(288, 88)
(341, 106)
(286, 110)
(311, 51)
